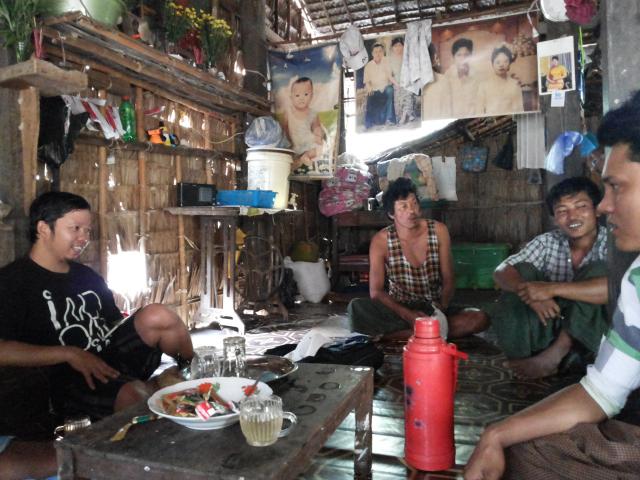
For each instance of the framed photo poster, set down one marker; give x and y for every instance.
(556, 66)
(306, 91)
(482, 69)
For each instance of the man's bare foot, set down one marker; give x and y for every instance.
(532, 367)
(546, 362)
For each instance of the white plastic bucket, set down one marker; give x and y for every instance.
(268, 169)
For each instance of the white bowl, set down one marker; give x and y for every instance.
(230, 390)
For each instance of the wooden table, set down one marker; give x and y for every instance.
(320, 395)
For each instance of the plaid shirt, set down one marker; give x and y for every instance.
(406, 282)
(550, 253)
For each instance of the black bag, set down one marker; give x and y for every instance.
(357, 350)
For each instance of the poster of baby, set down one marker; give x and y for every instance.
(306, 92)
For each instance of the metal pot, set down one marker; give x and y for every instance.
(106, 12)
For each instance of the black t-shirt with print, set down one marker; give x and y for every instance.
(41, 307)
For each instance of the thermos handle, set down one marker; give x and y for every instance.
(452, 350)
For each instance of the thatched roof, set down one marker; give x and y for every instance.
(334, 16)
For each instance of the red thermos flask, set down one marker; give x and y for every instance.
(430, 370)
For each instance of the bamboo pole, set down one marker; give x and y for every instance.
(182, 272)
(142, 165)
(103, 175)
(207, 146)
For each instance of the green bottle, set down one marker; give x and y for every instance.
(128, 120)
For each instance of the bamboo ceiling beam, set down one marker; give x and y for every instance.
(326, 14)
(450, 19)
(366, 4)
(395, 10)
(346, 7)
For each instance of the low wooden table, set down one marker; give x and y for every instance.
(320, 395)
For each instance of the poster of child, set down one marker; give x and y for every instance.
(306, 88)
(555, 65)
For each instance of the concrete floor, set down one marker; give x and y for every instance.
(486, 391)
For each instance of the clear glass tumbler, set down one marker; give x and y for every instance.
(206, 363)
(234, 355)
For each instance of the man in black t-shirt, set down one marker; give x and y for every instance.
(60, 316)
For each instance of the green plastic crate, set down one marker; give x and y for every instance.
(474, 263)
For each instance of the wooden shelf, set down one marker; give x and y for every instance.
(80, 40)
(157, 148)
(49, 79)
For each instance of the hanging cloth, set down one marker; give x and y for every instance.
(561, 148)
(416, 63)
(444, 171)
(504, 158)
(530, 149)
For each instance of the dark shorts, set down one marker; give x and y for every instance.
(128, 354)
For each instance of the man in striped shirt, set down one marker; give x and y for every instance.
(566, 435)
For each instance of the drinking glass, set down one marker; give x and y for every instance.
(206, 363)
(233, 352)
(261, 420)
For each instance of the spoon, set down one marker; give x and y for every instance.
(120, 434)
(251, 389)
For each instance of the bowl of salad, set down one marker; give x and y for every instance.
(205, 403)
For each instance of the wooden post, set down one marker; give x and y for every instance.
(620, 69)
(561, 119)
(29, 100)
(254, 43)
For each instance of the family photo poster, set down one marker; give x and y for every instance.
(482, 69)
(556, 69)
(381, 103)
(306, 91)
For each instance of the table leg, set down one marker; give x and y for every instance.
(364, 413)
(65, 464)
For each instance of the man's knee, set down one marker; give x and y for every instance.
(156, 315)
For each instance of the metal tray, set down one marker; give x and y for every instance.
(277, 367)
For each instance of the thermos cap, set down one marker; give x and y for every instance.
(427, 327)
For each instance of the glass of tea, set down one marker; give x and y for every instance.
(261, 420)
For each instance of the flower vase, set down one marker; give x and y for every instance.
(22, 51)
(170, 47)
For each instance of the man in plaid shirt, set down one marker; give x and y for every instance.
(555, 288)
(412, 255)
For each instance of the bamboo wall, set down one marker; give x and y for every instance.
(129, 190)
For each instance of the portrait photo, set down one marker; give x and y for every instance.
(381, 101)
(306, 92)
(481, 69)
(556, 65)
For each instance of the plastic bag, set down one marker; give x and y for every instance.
(58, 131)
(266, 132)
(312, 279)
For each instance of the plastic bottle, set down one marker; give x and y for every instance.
(128, 120)
(430, 373)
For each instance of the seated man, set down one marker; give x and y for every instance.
(59, 315)
(415, 255)
(555, 288)
(565, 435)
